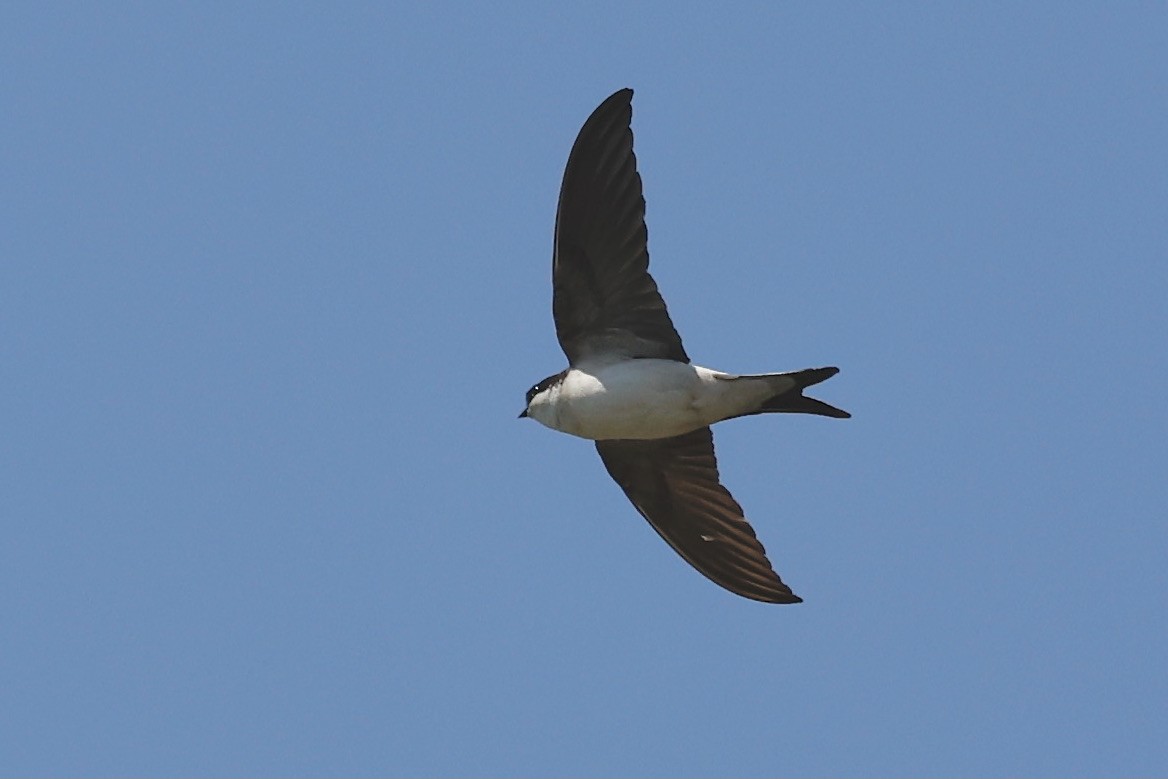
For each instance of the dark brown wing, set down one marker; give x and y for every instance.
(674, 483)
(605, 300)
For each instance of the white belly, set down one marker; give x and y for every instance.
(635, 399)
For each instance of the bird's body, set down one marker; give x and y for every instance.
(649, 398)
(630, 386)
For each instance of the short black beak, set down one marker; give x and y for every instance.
(522, 414)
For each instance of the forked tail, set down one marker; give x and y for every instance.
(793, 401)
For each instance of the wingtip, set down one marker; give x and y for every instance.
(624, 95)
(778, 598)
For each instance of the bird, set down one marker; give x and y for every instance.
(631, 388)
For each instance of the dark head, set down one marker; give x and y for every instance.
(539, 388)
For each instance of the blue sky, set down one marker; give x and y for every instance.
(273, 282)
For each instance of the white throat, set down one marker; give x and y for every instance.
(543, 407)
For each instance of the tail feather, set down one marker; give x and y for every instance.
(793, 401)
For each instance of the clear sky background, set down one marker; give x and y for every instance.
(274, 280)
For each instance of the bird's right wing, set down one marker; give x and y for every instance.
(605, 301)
(673, 483)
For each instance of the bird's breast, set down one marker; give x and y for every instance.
(630, 399)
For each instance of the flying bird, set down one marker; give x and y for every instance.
(630, 386)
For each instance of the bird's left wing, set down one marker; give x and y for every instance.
(605, 301)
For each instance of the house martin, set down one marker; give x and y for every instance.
(630, 386)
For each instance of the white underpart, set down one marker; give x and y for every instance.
(646, 398)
